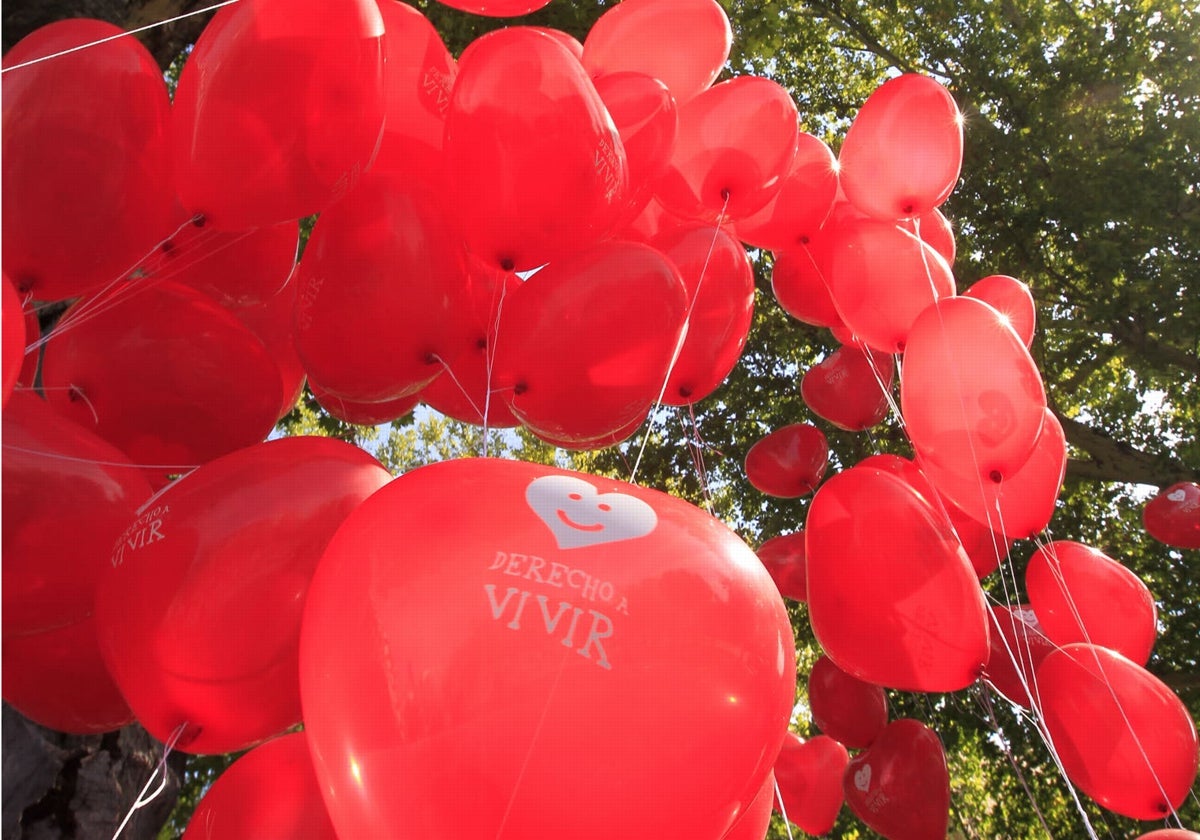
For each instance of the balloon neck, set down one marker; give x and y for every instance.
(995, 476)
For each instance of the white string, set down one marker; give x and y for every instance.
(145, 28)
(782, 809)
(142, 799)
(61, 457)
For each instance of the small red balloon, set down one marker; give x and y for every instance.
(1121, 734)
(364, 413)
(892, 598)
(936, 231)
(798, 281)
(272, 322)
(271, 791)
(1017, 648)
(789, 462)
(795, 215)
(845, 708)
(903, 152)
(900, 787)
(1012, 299)
(1081, 594)
(1173, 516)
(850, 388)
(682, 43)
(279, 110)
(647, 119)
(783, 558)
(198, 614)
(809, 774)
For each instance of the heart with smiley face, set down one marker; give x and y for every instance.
(578, 515)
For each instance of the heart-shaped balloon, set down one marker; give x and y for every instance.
(892, 597)
(789, 462)
(1122, 735)
(844, 707)
(809, 774)
(900, 787)
(783, 557)
(850, 388)
(1017, 648)
(1173, 516)
(488, 654)
(1012, 299)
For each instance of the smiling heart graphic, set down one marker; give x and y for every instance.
(1177, 495)
(579, 516)
(862, 778)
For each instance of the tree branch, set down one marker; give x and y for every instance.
(1114, 460)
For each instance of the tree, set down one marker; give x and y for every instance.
(1080, 177)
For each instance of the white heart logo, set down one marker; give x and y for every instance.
(1177, 495)
(1028, 617)
(580, 516)
(862, 778)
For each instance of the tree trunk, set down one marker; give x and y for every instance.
(71, 786)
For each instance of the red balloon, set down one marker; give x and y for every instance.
(736, 142)
(809, 774)
(1170, 834)
(654, 220)
(783, 558)
(972, 396)
(1012, 299)
(383, 295)
(845, 708)
(850, 388)
(498, 657)
(1083, 595)
(900, 787)
(798, 281)
(600, 442)
(279, 110)
(892, 597)
(58, 679)
(164, 373)
(647, 120)
(418, 77)
(234, 268)
(199, 613)
(934, 230)
(789, 462)
(903, 152)
(881, 278)
(84, 192)
(1173, 516)
(756, 819)
(1019, 506)
(364, 413)
(535, 166)
(13, 337)
(720, 286)
(1017, 648)
(271, 321)
(270, 791)
(582, 348)
(682, 43)
(795, 215)
(497, 8)
(1122, 735)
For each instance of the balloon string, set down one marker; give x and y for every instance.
(783, 809)
(44, 454)
(489, 359)
(696, 445)
(142, 799)
(986, 702)
(687, 320)
(118, 35)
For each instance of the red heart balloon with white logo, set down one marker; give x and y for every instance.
(900, 787)
(557, 644)
(1173, 516)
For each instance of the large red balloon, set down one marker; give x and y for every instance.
(1020, 505)
(1121, 734)
(903, 152)
(845, 708)
(682, 43)
(1081, 594)
(1173, 516)
(892, 597)
(164, 373)
(881, 278)
(795, 215)
(271, 791)
(720, 285)
(1018, 647)
(736, 142)
(582, 348)
(789, 462)
(383, 298)
(535, 166)
(972, 397)
(1012, 299)
(481, 625)
(279, 110)
(84, 191)
(900, 787)
(783, 558)
(417, 79)
(850, 388)
(199, 614)
(809, 774)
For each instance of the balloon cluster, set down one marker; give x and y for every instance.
(550, 234)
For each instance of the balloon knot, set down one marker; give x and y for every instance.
(995, 476)
(199, 220)
(507, 264)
